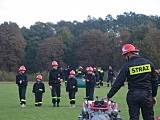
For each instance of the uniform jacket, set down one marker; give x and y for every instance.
(54, 77)
(72, 85)
(96, 75)
(38, 87)
(101, 73)
(110, 74)
(140, 74)
(91, 78)
(79, 72)
(23, 77)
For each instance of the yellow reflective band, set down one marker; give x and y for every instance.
(58, 78)
(101, 71)
(40, 89)
(72, 99)
(58, 97)
(79, 72)
(74, 86)
(54, 97)
(39, 102)
(140, 69)
(22, 100)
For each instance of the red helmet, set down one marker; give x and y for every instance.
(158, 118)
(22, 68)
(72, 72)
(94, 68)
(128, 48)
(156, 71)
(39, 77)
(54, 63)
(90, 69)
(80, 67)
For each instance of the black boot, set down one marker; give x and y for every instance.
(54, 105)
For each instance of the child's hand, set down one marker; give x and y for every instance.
(33, 93)
(83, 80)
(87, 80)
(51, 87)
(20, 81)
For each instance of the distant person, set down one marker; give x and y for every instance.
(55, 78)
(142, 84)
(95, 71)
(72, 88)
(111, 76)
(38, 90)
(101, 76)
(79, 71)
(66, 74)
(90, 80)
(22, 82)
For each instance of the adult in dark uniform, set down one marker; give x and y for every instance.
(55, 78)
(79, 71)
(110, 76)
(142, 84)
(66, 74)
(95, 71)
(101, 76)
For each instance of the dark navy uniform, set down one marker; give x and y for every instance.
(38, 89)
(72, 88)
(22, 87)
(90, 84)
(110, 77)
(54, 81)
(79, 72)
(66, 74)
(97, 77)
(142, 85)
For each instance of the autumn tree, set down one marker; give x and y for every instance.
(12, 46)
(49, 49)
(92, 48)
(150, 46)
(65, 35)
(119, 40)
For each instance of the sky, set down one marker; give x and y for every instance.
(27, 12)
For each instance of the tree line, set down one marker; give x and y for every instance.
(93, 42)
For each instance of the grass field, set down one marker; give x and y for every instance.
(11, 110)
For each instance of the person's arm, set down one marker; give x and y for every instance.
(17, 80)
(76, 86)
(33, 90)
(43, 88)
(154, 82)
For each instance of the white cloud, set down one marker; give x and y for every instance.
(27, 12)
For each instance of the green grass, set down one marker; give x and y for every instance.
(10, 108)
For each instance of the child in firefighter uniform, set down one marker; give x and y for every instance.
(90, 80)
(38, 91)
(22, 82)
(72, 88)
(56, 76)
